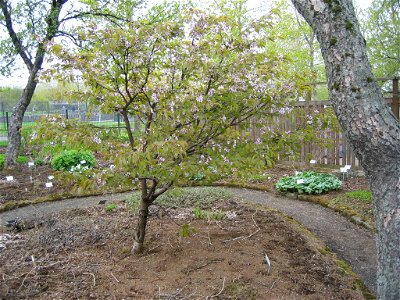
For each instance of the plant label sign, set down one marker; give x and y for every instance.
(51, 177)
(300, 181)
(49, 184)
(313, 161)
(9, 178)
(31, 164)
(348, 167)
(343, 170)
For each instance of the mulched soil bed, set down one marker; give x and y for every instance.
(85, 254)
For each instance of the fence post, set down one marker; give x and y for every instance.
(395, 98)
(119, 123)
(7, 122)
(66, 113)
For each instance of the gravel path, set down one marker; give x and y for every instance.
(351, 242)
(38, 211)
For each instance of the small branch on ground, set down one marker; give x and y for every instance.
(248, 236)
(91, 274)
(115, 278)
(220, 292)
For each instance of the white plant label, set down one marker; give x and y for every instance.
(343, 170)
(9, 178)
(268, 262)
(348, 167)
(51, 177)
(313, 161)
(49, 184)
(31, 164)
(83, 162)
(300, 181)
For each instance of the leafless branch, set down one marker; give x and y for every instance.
(220, 292)
(248, 236)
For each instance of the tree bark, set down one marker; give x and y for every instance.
(138, 241)
(14, 131)
(148, 195)
(367, 121)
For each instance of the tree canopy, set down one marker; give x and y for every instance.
(383, 39)
(192, 79)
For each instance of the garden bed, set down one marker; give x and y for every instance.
(85, 253)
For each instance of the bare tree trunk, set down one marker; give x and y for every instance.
(149, 195)
(367, 121)
(140, 233)
(33, 64)
(14, 131)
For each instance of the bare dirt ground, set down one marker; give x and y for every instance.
(85, 254)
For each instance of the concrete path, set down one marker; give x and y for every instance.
(352, 243)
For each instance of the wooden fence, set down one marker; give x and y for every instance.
(339, 153)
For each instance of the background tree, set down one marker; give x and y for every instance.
(382, 31)
(368, 123)
(9, 97)
(29, 26)
(192, 79)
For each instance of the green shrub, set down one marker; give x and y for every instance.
(74, 161)
(309, 183)
(360, 195)
(22, 159)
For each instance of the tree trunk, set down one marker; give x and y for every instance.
(367, 121)
(33, 65)
(149, 195)
(140, 233)
(14, 131)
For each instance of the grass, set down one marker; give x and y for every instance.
(361, 195)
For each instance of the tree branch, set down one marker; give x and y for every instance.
(14, 38)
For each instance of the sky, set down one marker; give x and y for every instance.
(19, 78)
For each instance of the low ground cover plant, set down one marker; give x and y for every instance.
(111, 207)
(20, 160)
(202, 198)
(362, 195)
(73, 160)
(309, 183)
(208, 214)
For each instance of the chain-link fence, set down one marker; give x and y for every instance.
(68, 111)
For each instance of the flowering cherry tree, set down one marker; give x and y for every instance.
(193, 80)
